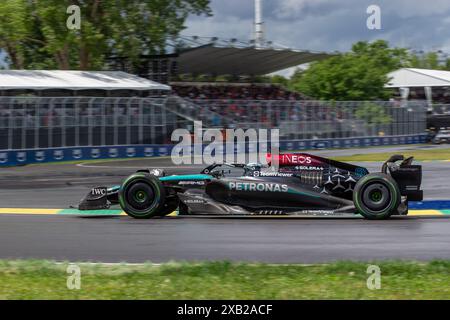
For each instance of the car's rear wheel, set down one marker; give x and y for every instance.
(142, 196)
(376, 196)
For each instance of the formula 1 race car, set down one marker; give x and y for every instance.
(302, 184)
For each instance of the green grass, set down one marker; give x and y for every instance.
(419, 155)
(224, 280)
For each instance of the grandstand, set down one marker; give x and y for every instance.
(237, 91)
(195, 56)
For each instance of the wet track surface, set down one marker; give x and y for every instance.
(265, 240)
(273, 240)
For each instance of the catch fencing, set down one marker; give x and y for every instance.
(38, 123)
(303, 120)
(44, 122)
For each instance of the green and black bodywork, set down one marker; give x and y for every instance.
(302, 184)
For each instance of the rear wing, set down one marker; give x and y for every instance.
(407, 176)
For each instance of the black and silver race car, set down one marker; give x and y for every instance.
(302, 185)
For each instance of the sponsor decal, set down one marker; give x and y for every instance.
(157, 172)
(163, 151)
(309, 168)
(294, 159)
(270, 212)
(320, 212)
(261, 187)
(58, 155)
(77, 153)
(3, 157)
(95, 153)
(290, 159)
(98, 192)
(39, 155)
(21, 156)
(191, 183)
(148, 152)
(272, 174)
(195, 201)
(131, 152)
(113, 152)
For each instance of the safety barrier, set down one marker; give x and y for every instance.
(33, 156)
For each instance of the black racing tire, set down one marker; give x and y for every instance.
(169, 207)
(377, 196)
(142, 196)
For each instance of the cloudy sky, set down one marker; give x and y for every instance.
(329, 25)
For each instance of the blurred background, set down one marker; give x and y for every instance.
(125, 74)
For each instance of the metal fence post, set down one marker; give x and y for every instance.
(103, 116)
(77, 122)
(141, 121)
(63, 122)
(116, 124)
(37, 123)
(128, 124)
(90, 121)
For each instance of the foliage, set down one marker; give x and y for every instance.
(358, 75)
(34, 33)
(429, 60)
(280, 80)
(373, 114)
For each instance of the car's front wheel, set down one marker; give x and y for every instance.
(376, 196)
(142, 196)
(169, 207)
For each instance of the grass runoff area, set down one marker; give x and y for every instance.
(419, 155)
(223, 280)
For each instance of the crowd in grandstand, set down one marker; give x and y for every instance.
(236, 92)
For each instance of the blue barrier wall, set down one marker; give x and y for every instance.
(32, 156)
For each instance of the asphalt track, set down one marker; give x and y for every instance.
(281, 240)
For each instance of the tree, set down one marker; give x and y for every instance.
(429, 60)
(280, 80)
(373, 114)
(34, 33)
(358, 75)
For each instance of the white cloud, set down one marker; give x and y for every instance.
(330, 25)
(297, 8)
(415, 8)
